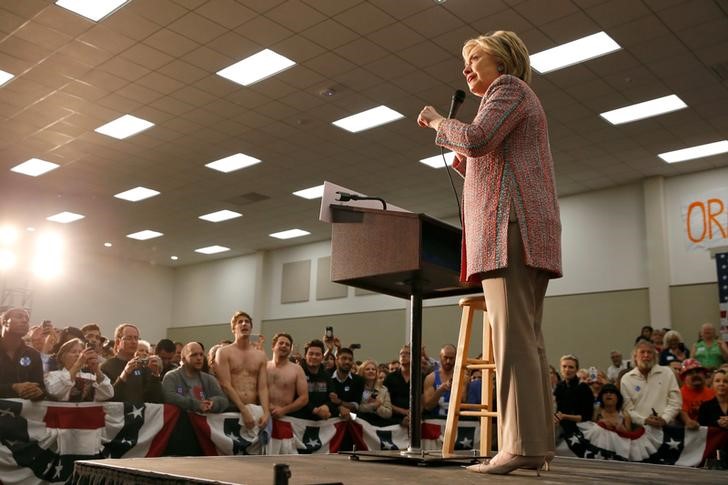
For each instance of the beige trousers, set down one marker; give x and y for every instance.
(514, 300)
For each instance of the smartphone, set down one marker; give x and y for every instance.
(329, 332)
(592, 374)
(355, 346)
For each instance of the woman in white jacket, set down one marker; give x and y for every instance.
(375, 406)
(80, 377)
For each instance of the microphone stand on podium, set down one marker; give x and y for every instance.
(396, 253)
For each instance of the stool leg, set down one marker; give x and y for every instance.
(487, 392)
(456, 391)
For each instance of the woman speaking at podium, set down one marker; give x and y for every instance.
(511, 234)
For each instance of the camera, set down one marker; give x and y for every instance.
(144, 361)
(592, 374)
(329, 332)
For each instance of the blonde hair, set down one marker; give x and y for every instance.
(509, 50)
(366, 363)
(65, 348)
(672, 333)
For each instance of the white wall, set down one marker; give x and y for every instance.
(211, 292)
(603, 242)
(108, 291)
(274, 309)
(691, 265)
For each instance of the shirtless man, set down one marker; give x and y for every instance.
(241, 370)
(438, 382)
(286, 381)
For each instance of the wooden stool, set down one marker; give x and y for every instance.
(486, 365)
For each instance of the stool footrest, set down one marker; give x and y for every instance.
(482, 414)
(480, 366)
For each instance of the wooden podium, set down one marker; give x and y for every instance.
(404, 255)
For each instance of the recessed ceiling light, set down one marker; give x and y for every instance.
(232, 163)
(643, 110)
(34, 167)
(257, 67)
(311, 192)
(91, 9)
(65, 217)
(124, 127)
(144, 235)
(5, 77)
(436, 161)
(136, 194)
(368, 119)
(699, 151)
(30, 229)
(173, 258)
(212, 249)
(289, 234)
(107, 244)
(574, 52)
(219, 216)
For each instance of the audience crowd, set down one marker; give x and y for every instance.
(663, 383)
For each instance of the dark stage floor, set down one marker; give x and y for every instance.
(318, 469)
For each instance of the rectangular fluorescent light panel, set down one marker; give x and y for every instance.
(646, 109)
(65, 217)
(699, 151)
(34, 167)
(232, 163)
(257, 67)
(436, 161)
(220, 216)
(137, 194)
(91, 9)
(289, 234)
(212, 249)
(5, 77)
(144, 235)
(368, 119)
(124, 127)
(311, 192)
(574, 52)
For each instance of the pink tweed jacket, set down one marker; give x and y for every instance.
(505, 158)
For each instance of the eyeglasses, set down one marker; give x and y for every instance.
(128, 338)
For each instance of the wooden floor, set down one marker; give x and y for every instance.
(319, 469)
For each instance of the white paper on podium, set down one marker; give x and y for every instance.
(329, 197)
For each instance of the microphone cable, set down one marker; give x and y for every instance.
(452, 184)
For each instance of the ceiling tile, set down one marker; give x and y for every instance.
(263, 31)
(126, 21)
(161, 12)
(171, 43)
(330, 34)
(208, 59)
(227, 13)
(197, 28)
(295, 15)
(234, 46)
(395, 37)
(104, 38)
(433, 22)
(146, 56)
(364, 18)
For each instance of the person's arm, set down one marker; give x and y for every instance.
(333, 409)
(263, 391)
(688, 421)
(723, 346)
(104, 389)
(586, 403)
(431, 395)
(496, 118)
(674, 402)
(170, 383)
(215, 394)
(385, 409)
(152, 387)
(58, 384)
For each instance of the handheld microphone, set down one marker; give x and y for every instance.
(457, 101)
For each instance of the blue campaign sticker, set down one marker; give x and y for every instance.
(25, 361)
(637, 388)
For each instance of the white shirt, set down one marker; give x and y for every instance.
(58, 383)
(613, 371)
(659, 391)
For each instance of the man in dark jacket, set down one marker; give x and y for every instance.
(320, 386)
(133, 379)
(21, 369)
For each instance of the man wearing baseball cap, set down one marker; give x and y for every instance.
(694, 391)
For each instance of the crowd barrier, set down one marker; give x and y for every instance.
(39, 441)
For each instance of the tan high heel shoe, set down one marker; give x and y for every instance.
(504, 463)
